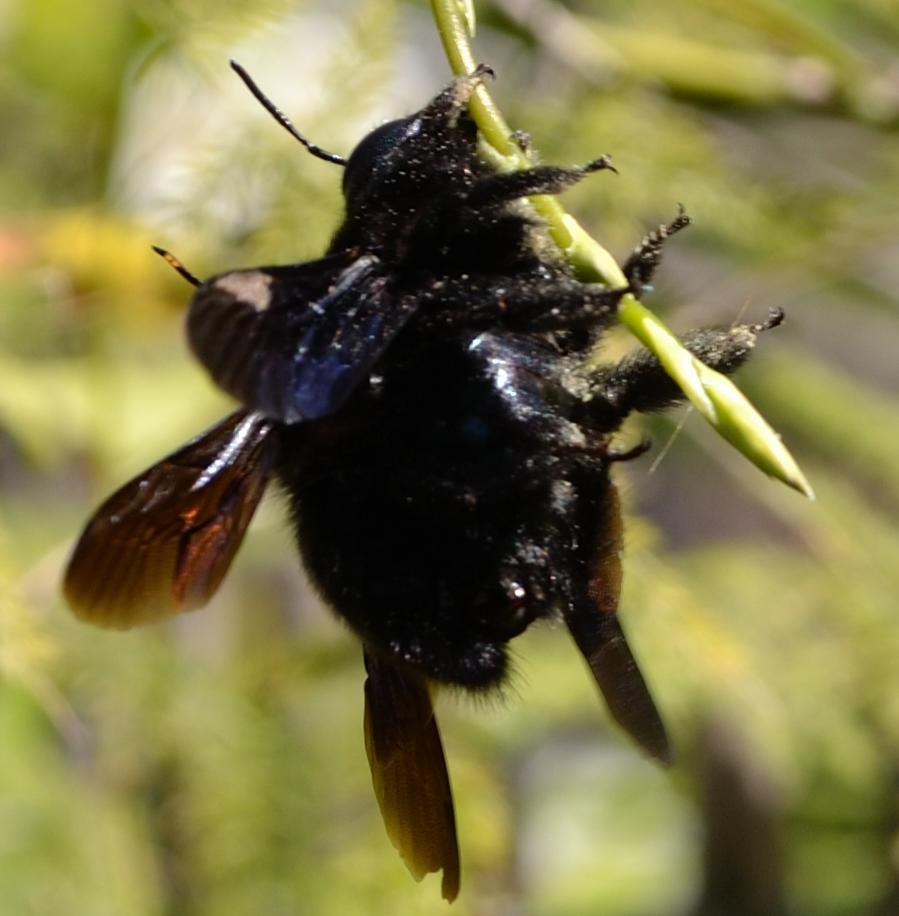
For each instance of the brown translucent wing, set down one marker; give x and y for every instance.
(162, 543)
(593, 621)
(408, 771)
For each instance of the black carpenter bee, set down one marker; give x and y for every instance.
(421, 396)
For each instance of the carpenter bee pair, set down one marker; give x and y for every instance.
(420, 394)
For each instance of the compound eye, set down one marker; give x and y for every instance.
(371, 159)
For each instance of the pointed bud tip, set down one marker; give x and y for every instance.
(800, 484)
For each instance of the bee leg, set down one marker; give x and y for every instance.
(645, 258)
(525, 303)
(541, 179)
(639, 383)
(449, 105)
(629, 454)
(564, 306)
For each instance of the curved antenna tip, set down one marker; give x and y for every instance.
(282, 118)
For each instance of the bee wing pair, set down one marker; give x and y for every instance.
(163, 542)
(290, 343)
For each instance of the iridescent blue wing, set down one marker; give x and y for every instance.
(294, 342)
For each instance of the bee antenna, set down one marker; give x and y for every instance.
(282, 118)
(176, 265)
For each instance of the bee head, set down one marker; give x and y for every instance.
(403, 161)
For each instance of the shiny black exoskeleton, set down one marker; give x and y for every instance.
(456, 495)
(423, 394)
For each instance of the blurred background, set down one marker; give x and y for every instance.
(215, 766)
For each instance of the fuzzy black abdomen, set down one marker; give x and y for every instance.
(430, 523)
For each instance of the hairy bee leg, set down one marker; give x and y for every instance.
(629, 454)
(542, 179)
(532, 305)
(592, 619)
(593, 307)
(451, 102)
(641, 265)
(408, 770)
(522, 139)
(639, 383)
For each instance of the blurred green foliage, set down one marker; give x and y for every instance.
(215, 765)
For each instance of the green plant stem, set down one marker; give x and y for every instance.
(712, 393)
